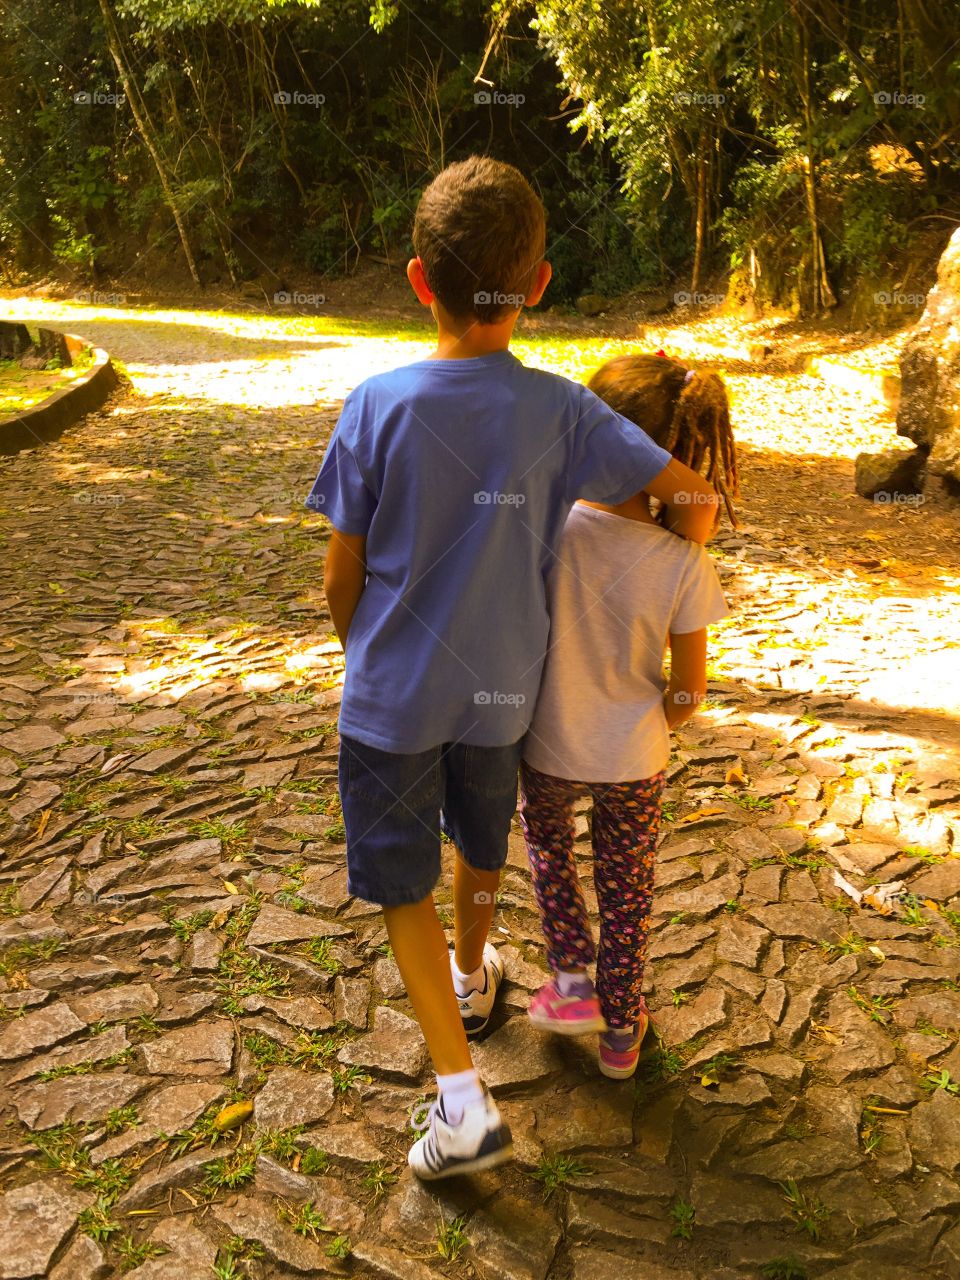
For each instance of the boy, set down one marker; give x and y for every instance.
(447, 483)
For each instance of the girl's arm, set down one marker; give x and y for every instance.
(344, 578)
(688, 676)
(692, 504)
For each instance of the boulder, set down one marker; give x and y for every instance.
(591, 304)
(892, 475)
(14, 339)
(929, 411)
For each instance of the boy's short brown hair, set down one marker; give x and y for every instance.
(480, 233)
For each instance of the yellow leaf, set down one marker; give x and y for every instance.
(710, 1078)
(699, 813)
(230, 888)
(736, 777)
(875, 951)
(928, 902)
(233, 1116)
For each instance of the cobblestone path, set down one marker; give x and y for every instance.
(175, 935)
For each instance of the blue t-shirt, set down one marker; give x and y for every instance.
(460, 474)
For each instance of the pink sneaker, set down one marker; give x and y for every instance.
(620, 1048)
(574, 1015)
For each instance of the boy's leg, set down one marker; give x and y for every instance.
(480, 799)
(546, 811)
(626, 820)
(474, 902)
(391, 809)
(420, 950)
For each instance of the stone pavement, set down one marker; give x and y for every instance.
(176, 942)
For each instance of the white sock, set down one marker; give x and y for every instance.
(464, 983)
(458, 1091)
(566, 982)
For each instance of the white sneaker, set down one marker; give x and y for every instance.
(476, 1007)
(480, 1140)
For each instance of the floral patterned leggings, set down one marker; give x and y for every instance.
(626, 819)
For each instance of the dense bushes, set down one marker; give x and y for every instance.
(808, 143)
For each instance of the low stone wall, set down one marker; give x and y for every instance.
(49, 419)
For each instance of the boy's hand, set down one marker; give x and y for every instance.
(691, 504)
(344, 578)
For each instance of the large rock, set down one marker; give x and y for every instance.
(293, 1097)
(202, 1049)
(891, 475)
(34, 1220)
(929, 412)
(76, 1099)
(514, 1239)
(38, 1030)
(394, 1046)
(516, 1054)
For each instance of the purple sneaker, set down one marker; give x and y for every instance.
(576, 1014)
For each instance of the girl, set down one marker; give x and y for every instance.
(623, 589)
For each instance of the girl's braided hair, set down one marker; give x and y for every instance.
(684, 411)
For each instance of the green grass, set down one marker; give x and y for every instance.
(132, 1253)
(783, 1269)
(121, 1119)
(230, 1172)
(877, 1008)
(96, 1223)
(451, 1239)
(809, 1213)
(314, 1161)
(940, 1080)
(10, 900)
(682, 1216)
(339, 1247)
(232, 835)
(305, 1220)
(320, 952)
(185, 928)
(554, 1172)
(377, 1179)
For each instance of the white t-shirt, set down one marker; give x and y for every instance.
(618, 589)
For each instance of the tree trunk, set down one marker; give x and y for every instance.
(821, 294)
(146, 133)
(700, 226)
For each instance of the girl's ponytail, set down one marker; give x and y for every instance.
(701, 436)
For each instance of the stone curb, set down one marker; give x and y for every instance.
(52, 416)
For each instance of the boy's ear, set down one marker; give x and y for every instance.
(544, 272)
(418, 282)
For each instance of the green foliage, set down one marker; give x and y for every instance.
(555, 1171)
(682, 1216)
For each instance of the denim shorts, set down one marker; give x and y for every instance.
(394, 807)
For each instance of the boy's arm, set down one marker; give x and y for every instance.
(688, 676)
(692, 504)
(344, 578)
